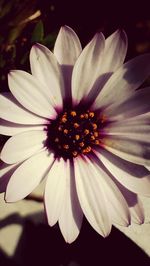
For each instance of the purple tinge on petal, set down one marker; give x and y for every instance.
(126, 79)
(137, 103)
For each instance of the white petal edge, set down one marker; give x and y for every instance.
(9, 129)
(26, 178)
(115, 51)
(87, 68)
(67, 46)
(137, 103)
(32, 94)
(137, 213)
(71, 215)
(116, 203)
(92, 198)
(45, 68)
(134, 177)
(5, 174)
(22, 146)
(13, 111)
(55, 191)
(126, 79)
(137, 151)
(133, 201)
(147, 167)
(5, 168)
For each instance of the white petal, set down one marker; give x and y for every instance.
(87, 68)
(22, 146)
(137, 213)
(28, 176)
(67, 49)
(71, 215)
(12, 111)
(134, 203)
(55, 191)
(134, 177)
(45, 68)
(133, 150)
(148, 167)
(32, 94)
(116, 203)
(113, 57)
(133, 130)
(10, 129)
(136, 104)
(143, 119)
(67, 46)
(91, 197)
(115, 51)
(126, 79)
(5, 173)
(5, 168)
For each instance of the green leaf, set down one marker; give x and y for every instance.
(49, 40)
(38, 33)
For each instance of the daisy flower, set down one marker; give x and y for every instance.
(79, 121)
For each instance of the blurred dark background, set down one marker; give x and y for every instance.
(22, 23)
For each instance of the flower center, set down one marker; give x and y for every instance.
(73, 133)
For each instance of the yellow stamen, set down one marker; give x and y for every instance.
(66, 146)
(86, 131)
(66, 131)
(77, 137)
(76, 125)
(86, 115)
(94, 126)
(92, 137)
(97, 142)
(81, 144)
(73, 113)
(91, 114)
(96, 134)
(87, 149)
(81, 116)
(64, 119)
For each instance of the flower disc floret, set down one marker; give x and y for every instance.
(74, 133)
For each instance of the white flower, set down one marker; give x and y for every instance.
(80, 121)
